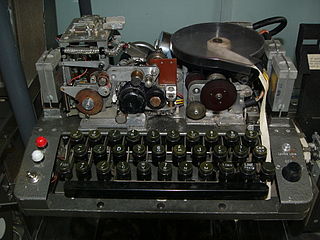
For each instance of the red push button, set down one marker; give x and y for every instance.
(41, 142)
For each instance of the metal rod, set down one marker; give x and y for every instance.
(85, 7)
(13, 76)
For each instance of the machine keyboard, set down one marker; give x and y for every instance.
(166, 165)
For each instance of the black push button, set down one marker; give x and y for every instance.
(292, 172)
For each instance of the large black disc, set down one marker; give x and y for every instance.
(244, 46)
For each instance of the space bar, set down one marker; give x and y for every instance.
(165, 190)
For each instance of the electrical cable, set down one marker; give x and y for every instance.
(77, 77)
(269, 21)
(265, 139)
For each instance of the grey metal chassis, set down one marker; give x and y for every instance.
(288, 200)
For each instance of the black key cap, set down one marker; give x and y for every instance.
(133, 137)
(80, 153)
(220, 153)
(152, 138)
(104, 171)
(76, 137)
(199, 154)
(94, 137)
(139, 153)
(179, 154)
(206, 172)
(165, 171)
(231, 138)
(192, 139)
(119, 153)
(211, 139)
(158, 154)
(185, 171)
(99, 153)
(144, 171)
(114, 137)
(226, 172)
(173, 138)
(259, 154)
(64, 171)
(83, 170)
(123, 171)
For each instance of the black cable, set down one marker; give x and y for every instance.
(266, 22)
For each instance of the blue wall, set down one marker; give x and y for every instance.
(147, 18)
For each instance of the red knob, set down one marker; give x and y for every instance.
(41, 142)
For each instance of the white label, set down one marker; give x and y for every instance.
(314, 61)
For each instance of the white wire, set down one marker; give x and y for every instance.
(265, 138)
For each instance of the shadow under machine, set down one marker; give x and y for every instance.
(179, 127)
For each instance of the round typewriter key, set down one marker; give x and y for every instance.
(152, 138)
(123, 171)
(231, 138)
(80, 153)
(199, 154)
(173, 138)
(133, 137)
(158, 154)
(226, 171)
(99, 153)
(250, 139)
(83, 170)
(248, 171)
(267, 171)
(206, 171)
(259, 153)
(220, 153)
(119, 153)
(76, 137)
(211, 139)
(240, 154)
(64, 171)
(104, 171)
(144, 171)
(138, 153)
(179, 154)
(164, 171)
(185, 171)
(114, 137)
(193, 138)
(94, 137)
